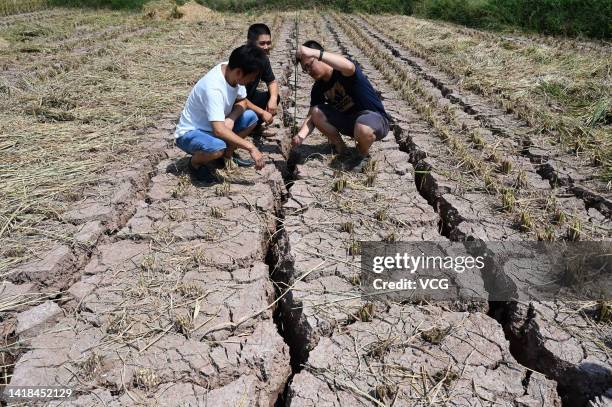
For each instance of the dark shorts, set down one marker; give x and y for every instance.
(260, 99)
(345, 122)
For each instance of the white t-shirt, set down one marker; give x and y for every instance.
(210, 100)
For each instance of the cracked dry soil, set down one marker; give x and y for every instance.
(248, 293)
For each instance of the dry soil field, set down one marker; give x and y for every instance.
(129, 282)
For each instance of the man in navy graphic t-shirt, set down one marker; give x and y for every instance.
(342, 101)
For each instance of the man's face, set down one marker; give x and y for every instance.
(264, 42)
(312, 67)
(246, 79)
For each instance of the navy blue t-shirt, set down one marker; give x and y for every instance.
(347, 94)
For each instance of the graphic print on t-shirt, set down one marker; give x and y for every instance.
(338, 98)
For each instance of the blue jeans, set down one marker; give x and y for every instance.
(202, 140)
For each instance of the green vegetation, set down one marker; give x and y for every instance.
(370, 6)
(591, 18)
(114, 4)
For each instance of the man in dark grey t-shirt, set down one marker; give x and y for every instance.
(265, 104)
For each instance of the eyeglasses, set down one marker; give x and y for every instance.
(262, 43)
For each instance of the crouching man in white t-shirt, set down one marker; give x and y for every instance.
(215, 120)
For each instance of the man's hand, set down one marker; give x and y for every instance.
(297, 140)
(305, 54)
(272, 107)
(267, 117)
(258, 157)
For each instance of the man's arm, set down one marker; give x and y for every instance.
(273, 90)
(338, 62)
(239, 107)
(226, 134)
(305, 130)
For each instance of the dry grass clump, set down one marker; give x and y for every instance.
(9, 7)
(354, 248)
(381, 215)
(435, 335)
(366, 312)
(217, 212)
(184, 324)
(347, 227)
(574, 230)
(339, 184)
(604, 311)
(190, 290)
(146, 379)
(90, 366)
(193, 11)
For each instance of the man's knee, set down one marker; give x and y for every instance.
(250, 118)
(318, 116)
(247, 119)
(363, 132)
(215, 146)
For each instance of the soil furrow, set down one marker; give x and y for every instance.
(33, 16)
(76, 58)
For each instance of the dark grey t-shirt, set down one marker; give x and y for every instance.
(266, 75)
(347, 94)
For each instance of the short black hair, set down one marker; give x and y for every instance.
(313, 44)
(248, 58)
(257, 29)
